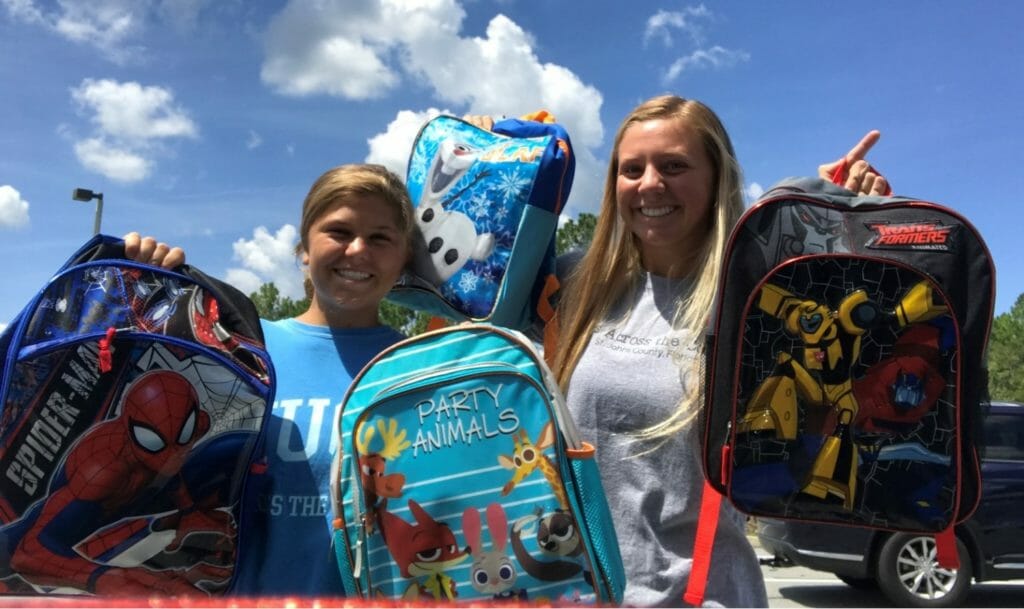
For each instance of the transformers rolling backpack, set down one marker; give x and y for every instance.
(133, 400)
(846, 371)
(461, 477)
(487, 205)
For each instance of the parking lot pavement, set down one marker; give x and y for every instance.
(761, 553)
(788, 585)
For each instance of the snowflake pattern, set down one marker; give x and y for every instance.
(478, 206)
(494, 193)
(501, 213)
(512, 183)
(468, 282)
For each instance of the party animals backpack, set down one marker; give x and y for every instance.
(846, 376)
(132, 401)
(461, 477)
(487, 205)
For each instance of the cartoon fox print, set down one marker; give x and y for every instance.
(423, 551)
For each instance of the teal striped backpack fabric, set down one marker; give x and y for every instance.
(461, 477)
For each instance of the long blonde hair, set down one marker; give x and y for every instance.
(612, 267)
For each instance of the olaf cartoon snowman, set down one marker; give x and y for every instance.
(448, 239)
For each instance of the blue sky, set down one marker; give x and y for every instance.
(204, 122)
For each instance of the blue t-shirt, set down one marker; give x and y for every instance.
(286, 541)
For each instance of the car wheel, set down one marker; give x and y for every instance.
(860, 583)
(910, 576)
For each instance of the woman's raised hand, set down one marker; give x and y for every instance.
(150, 251)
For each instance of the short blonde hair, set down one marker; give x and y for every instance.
(339, 184)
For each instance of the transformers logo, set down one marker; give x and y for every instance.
(915, 236)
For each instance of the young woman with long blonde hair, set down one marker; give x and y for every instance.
(632, 318)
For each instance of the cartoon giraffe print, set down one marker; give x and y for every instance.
(528, 456)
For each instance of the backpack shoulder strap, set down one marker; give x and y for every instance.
(703, 544)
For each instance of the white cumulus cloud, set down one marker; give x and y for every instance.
(268, 257)
(244, 279)
(107, 25)
(691, 21)
(661, 24)
(394, 41)
(505, 76)
(713, 58)
(131, 111)
(753, 191)
(130, 122)
(116, 28)
(391, 148)
(102, 22)
(13, 209)
(119, 164)
(334, 47)
(23, 10)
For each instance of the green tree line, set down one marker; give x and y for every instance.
(1005, 349)
(1006, 354)
(272, 305)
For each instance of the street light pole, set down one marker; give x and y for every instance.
(84, 194)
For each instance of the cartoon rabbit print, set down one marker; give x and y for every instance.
(493, 571)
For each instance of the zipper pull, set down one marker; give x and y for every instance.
(357, 568)
(106, 358)
(360, 512)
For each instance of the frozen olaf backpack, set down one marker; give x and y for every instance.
(487, 205)
(460, 476)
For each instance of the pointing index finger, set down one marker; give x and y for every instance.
(859, 151)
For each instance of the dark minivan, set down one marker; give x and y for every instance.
(903, 566)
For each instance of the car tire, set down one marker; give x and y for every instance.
(860, 583)
(909, 575)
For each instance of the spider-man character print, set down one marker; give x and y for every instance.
(119, 483)
(162, 305)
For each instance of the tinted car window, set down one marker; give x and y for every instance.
(1004, 437)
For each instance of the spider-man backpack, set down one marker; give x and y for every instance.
(133, 400)
(487, 205)
(845, 375)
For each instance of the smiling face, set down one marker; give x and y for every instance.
(664, 189)
(355, 252)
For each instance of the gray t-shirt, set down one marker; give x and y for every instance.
(630, 377)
